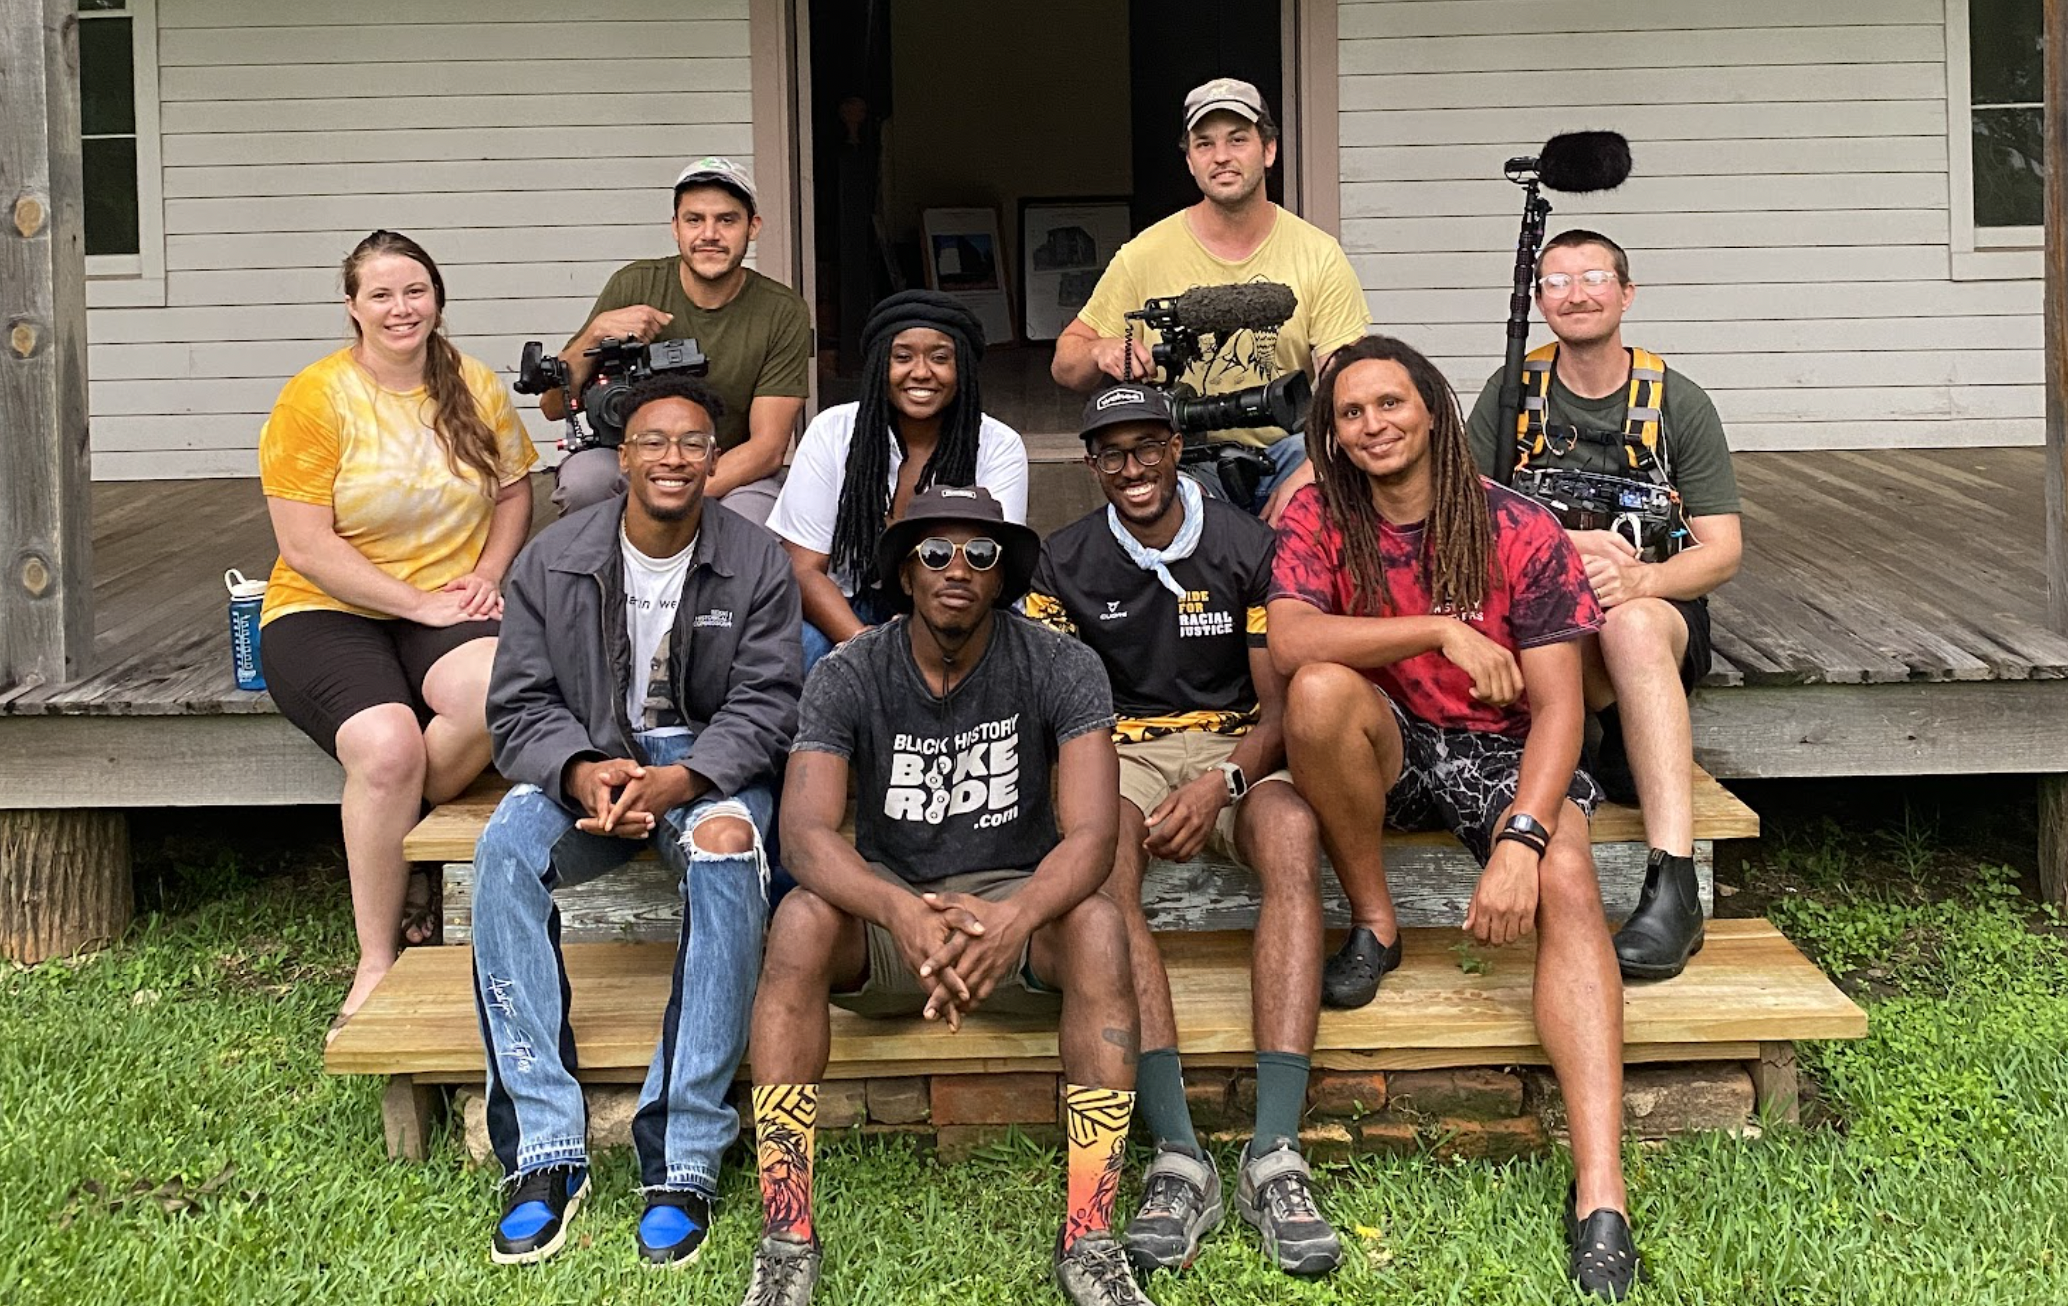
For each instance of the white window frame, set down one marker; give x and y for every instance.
(1985, 253)
(137, 280)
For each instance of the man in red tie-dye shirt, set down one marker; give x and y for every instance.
(1430, 621)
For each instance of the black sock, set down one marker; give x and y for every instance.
(1160, 1099)
(1281, 1099)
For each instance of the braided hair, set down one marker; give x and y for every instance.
(865, 489)
(1457, 542)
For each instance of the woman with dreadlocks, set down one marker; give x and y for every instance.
(1430, 621)
(919, 422)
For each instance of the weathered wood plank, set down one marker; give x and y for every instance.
(2055, 118)
(1749, 985)
(250, 759)
(46, 547)
(1985, 727)
(1431, 883)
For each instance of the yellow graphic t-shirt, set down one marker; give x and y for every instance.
(370, 455)
(1167, 260)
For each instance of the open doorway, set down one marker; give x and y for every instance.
(984, 106)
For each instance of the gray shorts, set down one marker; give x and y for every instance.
(891, 989)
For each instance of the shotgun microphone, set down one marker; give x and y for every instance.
(1578, 163)
(1222, 310)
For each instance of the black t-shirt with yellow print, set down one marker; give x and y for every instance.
(1174, 664)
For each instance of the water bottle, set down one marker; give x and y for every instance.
(247, 597)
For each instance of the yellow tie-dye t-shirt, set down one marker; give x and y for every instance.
(370, 455)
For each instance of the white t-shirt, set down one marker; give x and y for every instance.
(653, 590)
(810, 501)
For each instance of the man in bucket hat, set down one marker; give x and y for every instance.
(967, 886)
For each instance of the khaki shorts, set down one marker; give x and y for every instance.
(891, 989)
(1154, 769)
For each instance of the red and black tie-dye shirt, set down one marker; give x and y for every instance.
(1540, 596)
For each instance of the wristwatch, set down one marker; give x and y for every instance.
(1526, 830)
(1238, 783)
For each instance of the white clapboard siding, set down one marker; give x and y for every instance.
(1788, 218)
(528, 146)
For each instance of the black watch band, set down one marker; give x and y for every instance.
(1526, 830)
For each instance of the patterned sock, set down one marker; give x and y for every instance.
(1160, 1096)
(1281, 1098)
(786, 1127)
(1097, 1120)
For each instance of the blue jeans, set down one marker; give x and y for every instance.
(1286, 458)
(868, 606)
(535, 1112)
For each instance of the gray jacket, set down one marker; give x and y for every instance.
(564, 663)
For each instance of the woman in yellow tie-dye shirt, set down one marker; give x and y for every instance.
(394, 471)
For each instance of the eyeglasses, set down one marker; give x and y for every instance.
(935, 553)
(1558, 283)
(1148, 453)
(694, 448)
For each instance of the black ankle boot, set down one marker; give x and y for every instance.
(1666, 928)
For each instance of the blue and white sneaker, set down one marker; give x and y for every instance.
(536, 1216)
(672, 1228)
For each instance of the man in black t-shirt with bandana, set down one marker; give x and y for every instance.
(1168, 588)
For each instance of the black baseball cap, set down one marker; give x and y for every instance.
(1125, 402)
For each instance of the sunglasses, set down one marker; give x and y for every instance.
(935, 553)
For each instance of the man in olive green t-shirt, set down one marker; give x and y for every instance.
(755, 331)
(1233, 234)
(1654, 647)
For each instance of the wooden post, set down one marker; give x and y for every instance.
(1776, 1084)
(46, 584)
(64, 882)
(2053, 789)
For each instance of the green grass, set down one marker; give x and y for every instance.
(1934, 1167)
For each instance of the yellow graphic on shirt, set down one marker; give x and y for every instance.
(1045, 609)
(339, 440)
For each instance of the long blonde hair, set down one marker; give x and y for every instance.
(469, 442)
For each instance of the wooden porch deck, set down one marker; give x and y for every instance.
(1890, 619)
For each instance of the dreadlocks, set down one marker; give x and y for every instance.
(1457, 542)
(865, 490)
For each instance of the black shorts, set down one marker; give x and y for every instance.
(324, 668)
(1694, 663)
(1462, 781)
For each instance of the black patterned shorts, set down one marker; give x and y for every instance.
(1462, 781)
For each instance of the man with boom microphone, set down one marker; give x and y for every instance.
(1234, 234)
(1630, 425)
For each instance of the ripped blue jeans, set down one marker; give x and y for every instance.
(536, 1119)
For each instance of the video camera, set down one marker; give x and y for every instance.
(621, 362)
(1185, 324)
(1648, 516)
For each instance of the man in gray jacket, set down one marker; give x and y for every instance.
(645, 692)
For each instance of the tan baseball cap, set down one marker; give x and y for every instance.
(719, 171)
(1237, 97)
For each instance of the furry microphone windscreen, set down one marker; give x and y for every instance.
(1579, 162)
(1218, 310)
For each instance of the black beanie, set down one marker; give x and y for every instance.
(925, 308)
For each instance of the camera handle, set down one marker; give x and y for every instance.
(1535, 208)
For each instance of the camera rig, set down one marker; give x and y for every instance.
(621, 363)
(1648, 516)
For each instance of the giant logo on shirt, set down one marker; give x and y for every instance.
(934, 777)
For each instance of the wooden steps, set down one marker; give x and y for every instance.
(1430, 874)
(1749, 986)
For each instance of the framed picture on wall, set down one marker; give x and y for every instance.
(965, 259)
(1065, 244)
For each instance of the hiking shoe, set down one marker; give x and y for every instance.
(672, 1228)
(1275, 1193)
(536, 1216)
(786, 1269)
(1351, 977)
(1093, 1272)
(1181, 1204)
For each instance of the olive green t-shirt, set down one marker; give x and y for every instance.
(758, 344)
(1697, 453)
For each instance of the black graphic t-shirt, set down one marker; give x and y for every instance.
(949, 785)
(1175, 664)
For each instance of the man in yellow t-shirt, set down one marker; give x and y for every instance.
(1233, 234)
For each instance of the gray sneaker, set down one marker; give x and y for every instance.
(1275, 1193)
(1181, 1204)
(786, 1269)
(1094, 1273)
